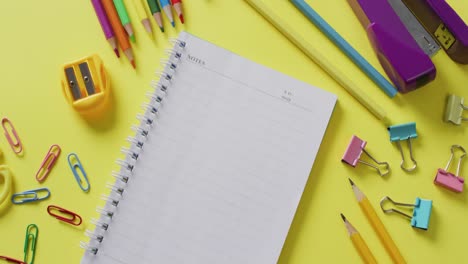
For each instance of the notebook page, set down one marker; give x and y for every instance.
(224, 167)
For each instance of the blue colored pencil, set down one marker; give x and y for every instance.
(166, 6)
(345, 47)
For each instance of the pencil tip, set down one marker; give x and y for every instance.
(162, 29)
(173, 24)
(132, 38)
(133, 64)
(116, 51)
(351, 182)
(181, 17)
(343, 217)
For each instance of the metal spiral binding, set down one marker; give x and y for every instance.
(93, 236)
(122, 177)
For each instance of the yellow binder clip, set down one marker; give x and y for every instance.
(454, 109)
(85, 84)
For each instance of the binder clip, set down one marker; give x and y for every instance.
(454, 110)
(353, 154)
(421, 212)
(448, 180)
(404, 132)
(85, 84)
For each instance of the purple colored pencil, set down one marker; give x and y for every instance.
(105, 25)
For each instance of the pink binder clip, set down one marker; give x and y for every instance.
(353, 154)
(447, 179)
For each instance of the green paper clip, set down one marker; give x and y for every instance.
(454, 110)
(30, 243)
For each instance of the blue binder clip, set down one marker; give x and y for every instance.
(421, 212)
(404, 132)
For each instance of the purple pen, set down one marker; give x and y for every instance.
(105, 25)
(403, 60)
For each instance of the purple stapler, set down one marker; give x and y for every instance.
(444, 24)
(403, 60)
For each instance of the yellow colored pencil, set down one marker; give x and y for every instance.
(378, 226)
(320, 60)
(140, 8)
(359, 243)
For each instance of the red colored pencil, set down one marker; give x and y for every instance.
(177, 4)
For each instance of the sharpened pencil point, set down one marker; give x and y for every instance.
(133, 64)
(343, 217)
(162, 29)
(173, 24)
(351, 182)
(132, 38)
(181, 17)
(116, 51)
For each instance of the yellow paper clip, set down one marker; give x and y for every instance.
(85, 84)
(7, 179)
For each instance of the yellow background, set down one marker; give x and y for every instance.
(40, 36)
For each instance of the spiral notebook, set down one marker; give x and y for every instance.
(217, 166)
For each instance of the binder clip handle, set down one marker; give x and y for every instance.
(452, 150)
(382, 167)
(403, 161)
(392, 210)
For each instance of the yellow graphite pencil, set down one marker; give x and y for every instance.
(378, 226)
(359, 243)
(320, 60)
(140, 8)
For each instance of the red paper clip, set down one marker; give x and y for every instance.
(71, 219)
(48, 163)
(12, 260)
(16, 145)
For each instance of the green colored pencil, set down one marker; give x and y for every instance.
(124, 18)
(156, 11)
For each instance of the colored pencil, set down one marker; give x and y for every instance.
(346, 48)
(140, 8)
(320, 60)
(378, 226)
(124, 18)
(156, 11)
(119, 30)
(166, 6)
(105, 25)
(177, 4)
(359, 243)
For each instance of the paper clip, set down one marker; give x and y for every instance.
(77, 167)
(404, 132)
(11, 260)
(69, 216)
(454, 109)
(30, 196)
(448, 180)
(15, 143)
(48, 162)
(30, 242)
(353, 154)
(421, 212)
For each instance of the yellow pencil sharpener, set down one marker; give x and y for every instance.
(85, 84)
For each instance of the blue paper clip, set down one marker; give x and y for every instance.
(404, 132)
(77, 168)
(30, 241)
(421, 212)
(30, 196)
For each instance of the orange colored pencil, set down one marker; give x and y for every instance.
(122, 37)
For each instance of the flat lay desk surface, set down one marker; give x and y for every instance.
(40, 36)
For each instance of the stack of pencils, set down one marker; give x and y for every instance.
(116, 25)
